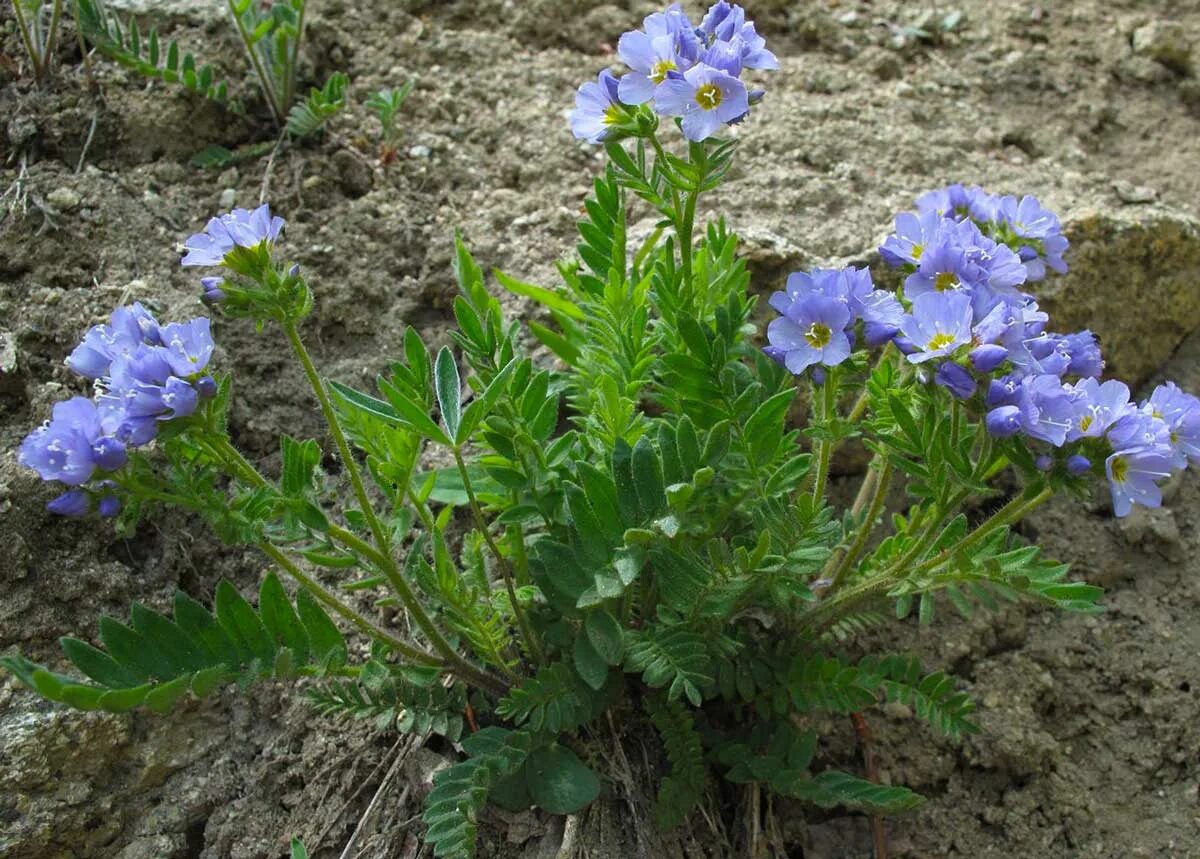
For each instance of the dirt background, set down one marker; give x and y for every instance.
(1091, 742)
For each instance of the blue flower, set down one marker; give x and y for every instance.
(939, 324)
(958, 202)
(882, 316)
(726, 22)
(72, 444)
(943, 267)
(1003, 421)
(189, 346)
(597, 107)
(239, 228)
(1047, 408)
(127, 329)
(1045, 243)
(213, 293)
(812, 332)
(913, 233)
(705, 97)
(1078, 465)
(668, 44)
(142, 391)
(1181, 413)
(1098, 407)
(1133, 476)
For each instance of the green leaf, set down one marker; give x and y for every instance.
(98, 665)
(448, 386)
(280, 619)
(300, 460)
(558, 781)
(765, 428)
(243, 625)
(648, 478)
(323, 635)
(606, 636)
(592, 667)
(298, 849)
(551, 300)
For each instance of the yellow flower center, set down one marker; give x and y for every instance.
(658, 72)
(818, 336)
(1085, 422)
(944, 281)
(939, 341)
(1120, 469)
(709, 96)
(917, 250)
(613, 114)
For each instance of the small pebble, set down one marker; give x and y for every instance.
(64, 199)
(1130, 193)
(420, 151)
(227, 200)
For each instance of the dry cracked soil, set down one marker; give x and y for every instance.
(1091, 740)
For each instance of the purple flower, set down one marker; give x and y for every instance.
(127, 329)
(667, 44)
(939, 324)
(1098, 407)
(943, 267)
(913, 233)
(1181, 413)
(109, 506)
(597, 107)
(73, 503)
(188, 345)
(239, 228)
(1043, 463)
(813, 332)
(726, 22)
(1047, 408)
(851, 286)
(1084, 351)
(882, 316)
(956, 379)
(142, 391)
(705, 97)
(1133, 476)
(71, 445)
(955, 201)
(1042, 231)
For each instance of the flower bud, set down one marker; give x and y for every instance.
(955, 379)
(1004, 421)
(109, 454)
(1078, 465)
(206, 387)
(1043, 463)
(110, 506)
(988, 357)
(75, 503)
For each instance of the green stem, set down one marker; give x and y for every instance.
(386, 563)
(955, 423)
(241, 466)
(27, 40)
(826, 612)
(51, 34)
(684, 230)
(268, 86)
(289, 92)
(878, 495)
(527, 634)
(327, 599)
(827, 412)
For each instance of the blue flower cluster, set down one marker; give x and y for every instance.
(144, 374)
(223, 234)
(964, 323)
(681, 70)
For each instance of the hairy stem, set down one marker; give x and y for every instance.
(878, 495)
(527, 634)
(330, 601)
(827, 410)
(387, 565)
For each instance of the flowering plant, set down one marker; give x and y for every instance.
(647, 538)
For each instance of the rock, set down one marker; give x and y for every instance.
(354, 176)
(1167, 43)
(1130, 193)
(1154, 530)
(21, 129)
(1133, 281)
(419, 151)
(769, 256)
(64, 199)
(227, 199)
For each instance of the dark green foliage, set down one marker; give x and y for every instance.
(673, 657)
(683, 788)
(156, 660)
(553, 701)
(144, 53)
(411, 701)
(932, 697)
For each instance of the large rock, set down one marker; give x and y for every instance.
(1134, 280)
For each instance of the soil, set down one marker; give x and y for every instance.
(1091, 741)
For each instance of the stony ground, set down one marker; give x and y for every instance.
(1091, 746)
